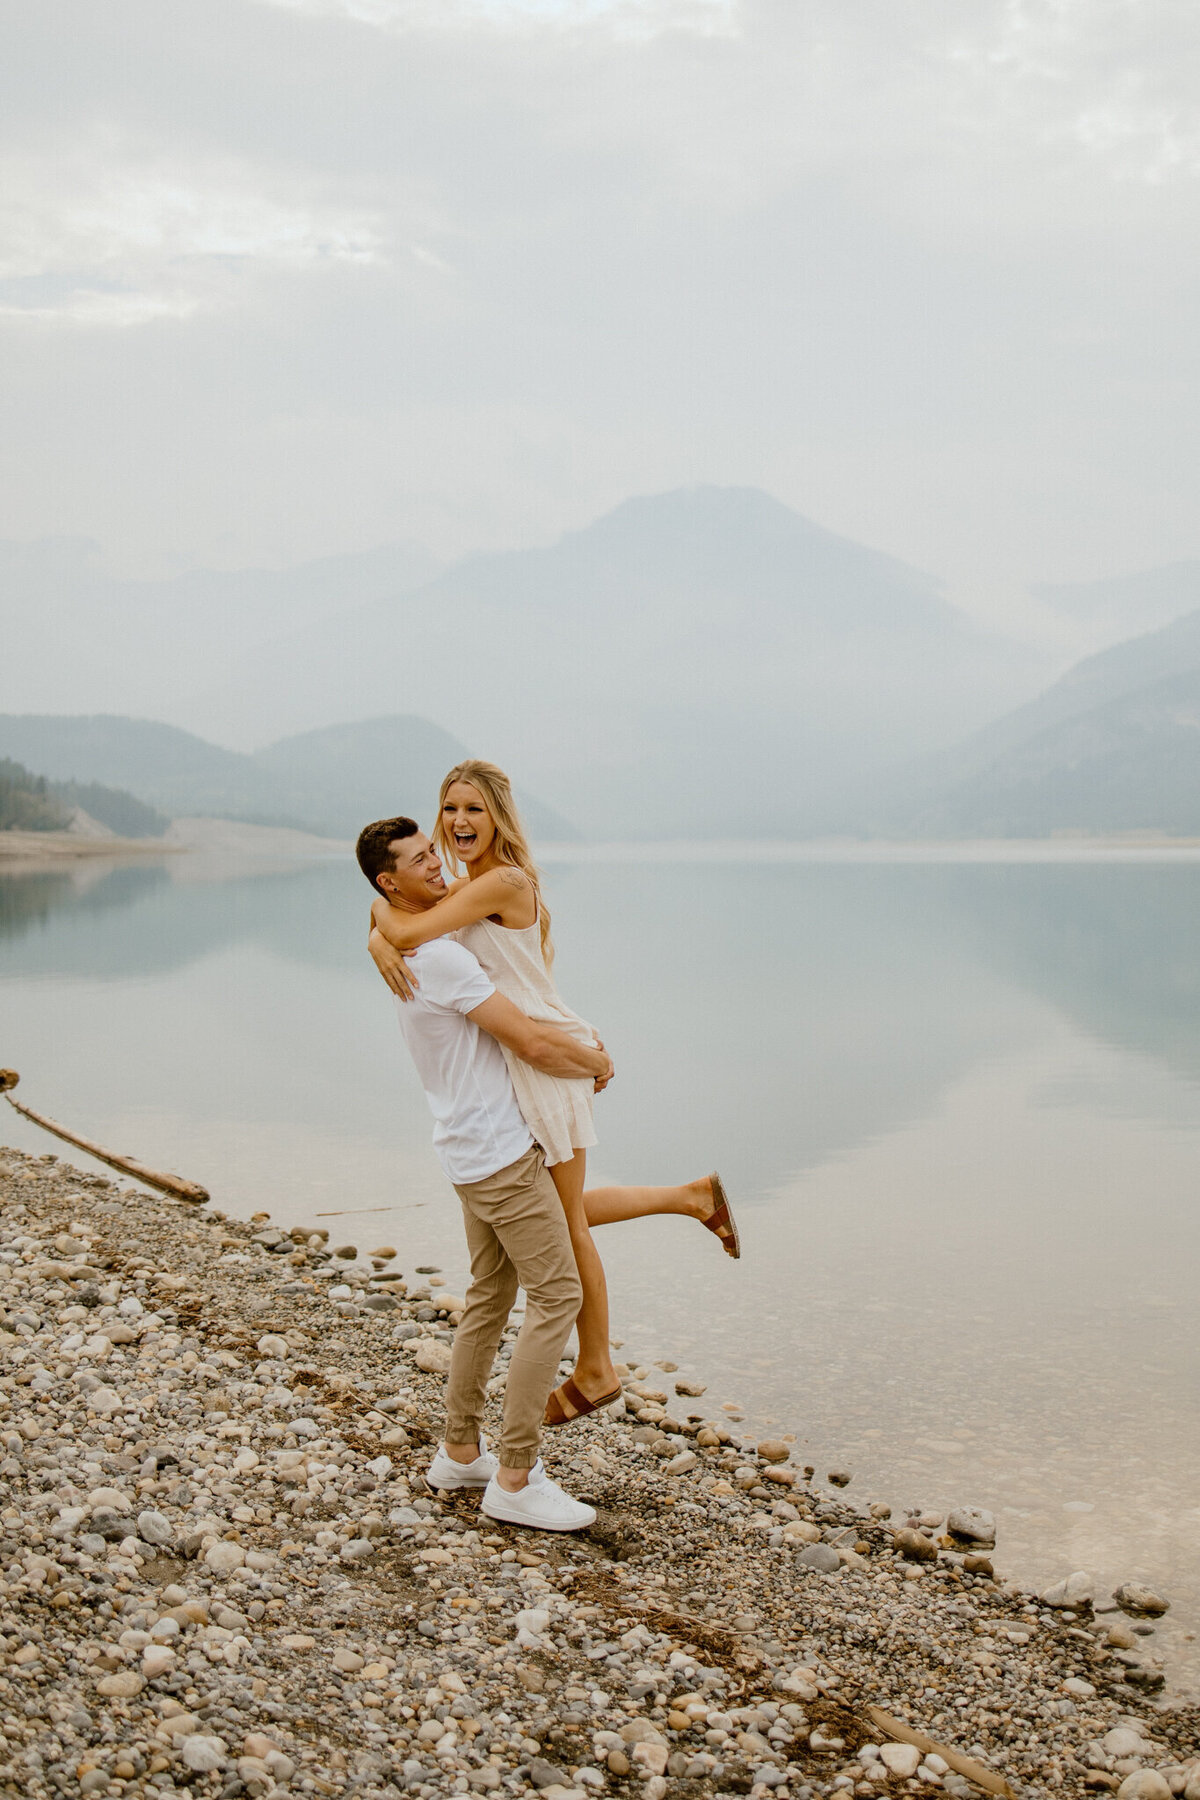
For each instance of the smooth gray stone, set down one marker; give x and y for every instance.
(155, 1528)
(973, 1525)
(821, 1557)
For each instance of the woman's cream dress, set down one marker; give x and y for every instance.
(557, 1110)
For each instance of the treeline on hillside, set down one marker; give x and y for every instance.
(29, 802)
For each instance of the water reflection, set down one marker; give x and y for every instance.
(808, 1010)
(958, 1106)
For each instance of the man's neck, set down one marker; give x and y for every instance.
(408, 906)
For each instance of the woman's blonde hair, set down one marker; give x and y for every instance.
(510, 843)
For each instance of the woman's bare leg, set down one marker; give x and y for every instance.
(609, 1205)
(594, 1374)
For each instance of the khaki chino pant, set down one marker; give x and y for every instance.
(517, 1235)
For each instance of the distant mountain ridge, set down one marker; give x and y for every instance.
(1113, 746)
(1126, 606)
(329, 782)
(31, 802)
(76, 635)
(653, 671)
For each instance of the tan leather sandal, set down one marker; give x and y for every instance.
(721, 1221)
(556, 1412)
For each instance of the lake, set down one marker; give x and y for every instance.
(956, 1103)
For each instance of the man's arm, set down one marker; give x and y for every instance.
(553, 1051)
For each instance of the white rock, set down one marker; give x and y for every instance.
(380, 1466)
(650, 1756)
(203, 1754)
(157, 1659)
(533, 1620)
(900, 1759)
(110, 1499)
(357, 1550)
(679, 1465)
(121, 1686)
(273, 1346)
(433, 1356)
(1076, 1591)
(69, 1520)
(1120, 1741)
(155, 1527)
(1145, 1784)
(105, 1400)
(223, 1557)
(973, 1524)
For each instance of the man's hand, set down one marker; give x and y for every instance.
(392, 966)
(602, 1081)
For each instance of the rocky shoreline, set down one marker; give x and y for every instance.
(222, 1572)
(22, 848)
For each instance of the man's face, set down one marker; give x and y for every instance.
(416, 878)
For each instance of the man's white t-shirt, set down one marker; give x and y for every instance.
(477, 1125)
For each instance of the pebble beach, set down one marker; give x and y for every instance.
(222, 1571)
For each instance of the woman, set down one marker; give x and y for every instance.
(497, 911)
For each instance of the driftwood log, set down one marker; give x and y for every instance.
(175, 1185)
(984, 1778)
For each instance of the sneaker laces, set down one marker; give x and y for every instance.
(539, 1479)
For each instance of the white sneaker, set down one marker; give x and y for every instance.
(541, 1504)
(444, 1472)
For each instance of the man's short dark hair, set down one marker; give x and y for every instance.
(372, 851)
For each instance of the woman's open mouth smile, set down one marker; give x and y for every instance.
(463, 840)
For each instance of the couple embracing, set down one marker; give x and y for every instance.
(510, 1074)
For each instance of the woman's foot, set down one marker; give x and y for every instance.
(717, 1217)
(580, 1395)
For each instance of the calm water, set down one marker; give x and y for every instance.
(958, 1107)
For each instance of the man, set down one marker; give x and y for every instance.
(516, 1228)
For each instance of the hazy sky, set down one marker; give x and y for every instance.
(283, 278)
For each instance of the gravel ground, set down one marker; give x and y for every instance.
(222, 1573)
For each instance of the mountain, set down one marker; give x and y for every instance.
(75, 636)
(345, 775)
(1125, 606)
(31, 803)
(330, 782)
(1113, 746)
(699, 663)
(1132, 764)
(162, 765)
(1094, 682)
(27, 801)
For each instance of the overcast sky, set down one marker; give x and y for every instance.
(283, 278)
